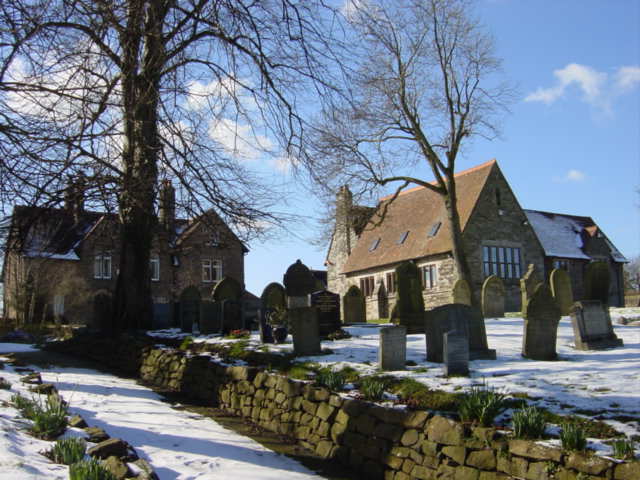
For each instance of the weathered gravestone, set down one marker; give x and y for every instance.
(103, 311)
(273, 299)
(461, 292)
(596, 282)
(560, 283)
(409, 308)
(456, 317)
(299, 283)
(354, 309)
(227, 295)
(328, 305)
(456, 353)
(305, 331)
(592, 328)
(210, 321)
(528, 284)
(541, 325)
(493, 297)
(392, 353)
(189, 308)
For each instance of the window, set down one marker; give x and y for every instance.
(374, 244)
(211, 270)
(429, 275)
(154, 264)
(58, 306)
(434, 229)
(498, 198)
(501, 261)
(102, 266)
(214, 239)
(561, 264)
(391, 282)
(403, 237)
(366, 286)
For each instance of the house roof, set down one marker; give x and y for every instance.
(563, 235)
(418, 212)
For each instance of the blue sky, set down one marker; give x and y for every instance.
(571, 143)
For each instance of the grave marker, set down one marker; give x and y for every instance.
(409, 308)
(392, 352)
(462, 292)
(528, 284)
(189, 308)
(328, 305)
(305, 331)
(456, 353)
(299, 283)
(541, 325)
(354, 306)
(493, 297)
(561, 290)
(209, 318)
(592, 328)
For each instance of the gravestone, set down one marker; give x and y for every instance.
(265, 329)
(231, 315)
(541, 325)
(189, 308)
(210, 321)
(462, 318)
(493, 297)
(392, 353)
(596, 282)
(461, 292)
(273, 299)
(409, 308)
(561, 290)
(103, 311)
(354, 310)
(592, 328)
(305, 331)
(227, 295)
(328, 305)
(528, 284)
(299, 283)
(456, 353)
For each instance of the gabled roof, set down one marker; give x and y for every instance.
(185, 229)
(563, 235)
(417, 211)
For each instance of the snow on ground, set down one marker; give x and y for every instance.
(178, 444)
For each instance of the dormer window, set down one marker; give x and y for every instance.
(374, 244)
(403, 237)
(434, 229)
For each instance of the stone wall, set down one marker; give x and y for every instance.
(380, 443)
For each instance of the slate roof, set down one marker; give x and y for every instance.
(416, 211)
(564, 235)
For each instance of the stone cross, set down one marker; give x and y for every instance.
(392, 354)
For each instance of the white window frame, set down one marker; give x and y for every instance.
(154, 266)
(211, 270)
(58, 306)
(429, 274)
(102, 266)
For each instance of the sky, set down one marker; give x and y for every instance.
(571, 142)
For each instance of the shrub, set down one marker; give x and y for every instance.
(89, 470)
(332, 380)
(623, 449)
(186, 343)
(372, 388)
(481, 405)
(68, 451)
(50, 418)
(528, 423)
(4, 384)
(573, 437)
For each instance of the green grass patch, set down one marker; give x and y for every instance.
(332, 380)
(49, 418)
(67, 451)
(373, 388)
(481, 405)
(623, 449)
(528, 422)
(417, 395)
(592, 428)
(89, 470)
(573, 437)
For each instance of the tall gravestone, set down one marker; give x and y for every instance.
(541, 325)
(103, 311)
(596, 282)
(189, 308)
(210, 321)
(455, 353)
(409, 308)
(528, 284)
(354, 309)
(560, 283)
(305, 331)
(461, 292)
(592, 327)
(227, 296)
(463, 319)
(273, 299)
(392, 352)
(328, 305)
(299, 283)
(493, 297)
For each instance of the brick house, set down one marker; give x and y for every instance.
(59, 261)
(497, 235)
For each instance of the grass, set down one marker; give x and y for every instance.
(372, 388)
(89, 470)
(68, 451)
(623, 449)
(186, 344)
(592, 428)
(332, 380)
(482, 405)
(49, 418)
(573, 437)
(418, 395)
(528, 423)
(24, 405)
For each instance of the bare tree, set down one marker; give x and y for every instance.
(423, 84)
(128, 92)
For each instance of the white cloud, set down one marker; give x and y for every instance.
(284, 163)
(628, 77)
(239, 140)
(200, 94)
(575, 175)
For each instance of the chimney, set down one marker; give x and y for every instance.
(344, 206)
(74, 196)
(167, 206)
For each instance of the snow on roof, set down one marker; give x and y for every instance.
(560, 235)
(70, 255)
